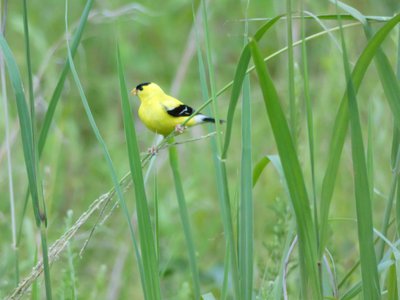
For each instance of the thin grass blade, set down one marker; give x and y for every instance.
(391, 87)
(246, 215)
(240, 72)
(292, 102)
(54, 100)
(259, 168)
(29, 65)
(150, 271)
(220, 167)
(341, 125)
(60, 84)
(29, 153)
(369, 270)
(396, 145)
(148, 258)
(236, 89)
(7, 143)
(310, 119)
(391, 283)
(173, 158)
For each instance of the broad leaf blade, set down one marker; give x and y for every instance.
(293, 175)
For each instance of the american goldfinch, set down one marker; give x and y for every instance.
(162, 113)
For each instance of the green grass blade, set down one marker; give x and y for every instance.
(7, 143)
(398, 206)
(396, 145)
(148, 261)
(236, 89)
(156, 216)
(219, 164)
(227, 219)
(391, 88)
(41, 202)
(390, 199)
(341, 125)
(259, 168)
(369, 270)
(240, 72)
(264, 28)
(293, 175)
(29, 65)
(351, 11)
(391, 283)
(29, 153)
(54, 100)
(25, 123)
(173, 158)
(246, 215)
(344, 17)
(310, 121)
(292, 102)
(70, 257)
(45, 257)
(398, 57)
(35, 294)
(352, 292)
(227, 263)
(152, 290)
(258, 36)
(211, 74)
(60, 84)
(370, 151)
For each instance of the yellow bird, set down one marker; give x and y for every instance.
(162, 113)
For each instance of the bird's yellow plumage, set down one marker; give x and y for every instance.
(162, 113)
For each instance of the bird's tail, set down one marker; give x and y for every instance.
(210, 120)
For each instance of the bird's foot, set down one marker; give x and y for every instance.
(180, 128)
(152, 150)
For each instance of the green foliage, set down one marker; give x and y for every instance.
(30, 156)
(369, 269)
(316, 163)
(147, 260)
(294, 178)
(180, 195)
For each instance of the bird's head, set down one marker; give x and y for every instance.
(146, 89)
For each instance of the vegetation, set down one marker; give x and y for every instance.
(295, 196)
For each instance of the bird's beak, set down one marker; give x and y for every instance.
(134, 92)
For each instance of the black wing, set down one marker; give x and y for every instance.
(181, 111)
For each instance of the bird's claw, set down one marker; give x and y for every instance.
(180, 128)
(152, 150)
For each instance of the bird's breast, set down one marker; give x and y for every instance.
(154, 116)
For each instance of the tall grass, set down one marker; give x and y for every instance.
(291, 77)
(8, 153)
(294, 178)
(147, 259)
(30, 156)
(228, 244)
(246, 207)
(180, 195)
(369, 270)
(219, 165)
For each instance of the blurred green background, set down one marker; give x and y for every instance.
(157, 45)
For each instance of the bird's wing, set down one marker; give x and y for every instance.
(176, 108)
(180, 111)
